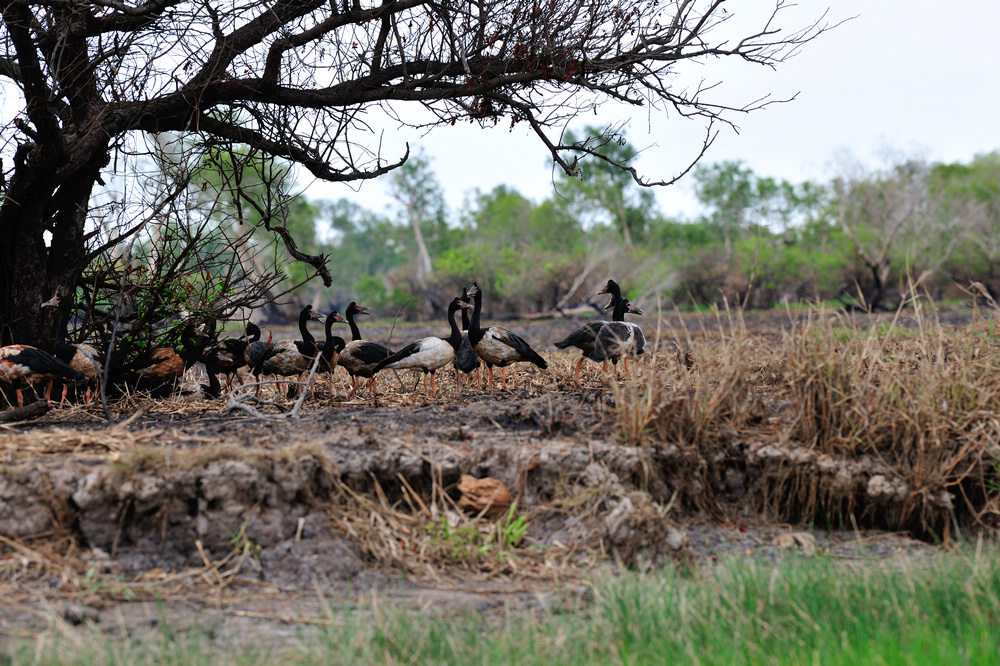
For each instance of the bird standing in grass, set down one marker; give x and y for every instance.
(465, 358)
(81, 357)
(585, 337)
(330, 347)
(295, 357)
(213, 388)
(24, 365)
(210, 359)
(257, 353)
(496, 345)
(428, 354)
(359, 357)
(617, 340)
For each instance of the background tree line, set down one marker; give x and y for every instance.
(855, 239)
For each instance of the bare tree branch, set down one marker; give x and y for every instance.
(298, 80)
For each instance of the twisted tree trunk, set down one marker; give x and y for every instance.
(42, 226)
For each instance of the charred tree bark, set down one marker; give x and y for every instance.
(40, 206)
(879, 276)
(56, 164)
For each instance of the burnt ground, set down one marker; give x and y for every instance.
(230, 516)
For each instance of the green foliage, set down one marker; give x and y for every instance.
(771, 264)
(511, 530)
(457, 543)
(502, 219)
(456, 264)
(371, 291)
(731, 192)
(968, 195)
(738, 201)
(679, 235)
(521, 253)
(402, 296)
(363, 247)
(552, 227)
(470, 539)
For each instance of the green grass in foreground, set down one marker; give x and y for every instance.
(944, 610)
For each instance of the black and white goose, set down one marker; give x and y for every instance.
(359, 357)
(213, 388)
(585, 337)
(294, 357)
(497, 346)
(80, 356)
(330, 347)
(617, 340)
(210, 359)
(257, 353)
(428, 354)
(465, 358)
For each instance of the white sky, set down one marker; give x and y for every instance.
(917, 77)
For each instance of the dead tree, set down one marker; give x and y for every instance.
(894, 215)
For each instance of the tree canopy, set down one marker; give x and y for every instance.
(297, 80)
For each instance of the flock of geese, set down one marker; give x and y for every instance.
(465, 348)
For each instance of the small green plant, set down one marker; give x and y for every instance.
(116, 587)
(460, 542)
(993, 484)
(242, 544)
(457, 543)
(511, 529)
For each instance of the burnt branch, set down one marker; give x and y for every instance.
(310, 160)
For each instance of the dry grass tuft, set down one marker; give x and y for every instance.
(923, 402)
(834, 419)
(91, 577)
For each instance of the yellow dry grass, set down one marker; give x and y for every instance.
(833, 415)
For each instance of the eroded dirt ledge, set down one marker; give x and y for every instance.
(172, 493)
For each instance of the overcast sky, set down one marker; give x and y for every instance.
(914, 77)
